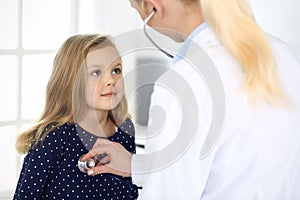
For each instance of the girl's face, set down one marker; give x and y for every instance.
(105, 86)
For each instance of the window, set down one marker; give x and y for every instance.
(31, 33)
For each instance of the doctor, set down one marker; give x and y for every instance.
(256, 154)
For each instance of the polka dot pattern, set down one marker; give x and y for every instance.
(50, 169)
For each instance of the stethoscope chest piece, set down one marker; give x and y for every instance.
(84, 166)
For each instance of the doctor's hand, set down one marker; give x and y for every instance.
(117, 160)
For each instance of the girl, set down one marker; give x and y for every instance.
(84, 101)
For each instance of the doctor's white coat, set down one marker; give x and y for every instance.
(257, 154)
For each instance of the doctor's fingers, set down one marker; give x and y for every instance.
(106, 168)
(98, 150)
(101, 147)
(119, 159)
(103, 159)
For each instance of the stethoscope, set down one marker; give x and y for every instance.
(147, 35)
(84, 166)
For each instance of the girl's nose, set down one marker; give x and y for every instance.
(109, 80)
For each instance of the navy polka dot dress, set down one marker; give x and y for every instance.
(50, 170)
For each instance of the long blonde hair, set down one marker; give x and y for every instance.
(233, 22)
(65, 92)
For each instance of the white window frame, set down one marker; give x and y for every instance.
(20, 52)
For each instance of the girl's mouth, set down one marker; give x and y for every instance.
(108, 94)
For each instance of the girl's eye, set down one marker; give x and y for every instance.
(117, 71)
(96, 73)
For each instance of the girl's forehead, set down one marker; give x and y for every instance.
(102, 56)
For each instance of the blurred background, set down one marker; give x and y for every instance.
(33, 30)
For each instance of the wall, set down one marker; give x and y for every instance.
(278, 17)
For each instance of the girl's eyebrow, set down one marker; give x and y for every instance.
(117, 61)
(95, 66)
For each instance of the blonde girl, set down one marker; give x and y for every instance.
(85, 101)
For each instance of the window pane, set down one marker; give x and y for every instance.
(8, 172)
(35, 75)
(8, 24)
(8, 88)
(46, 24)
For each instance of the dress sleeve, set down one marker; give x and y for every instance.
(37, 167)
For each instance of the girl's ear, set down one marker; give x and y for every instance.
(157, 5)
